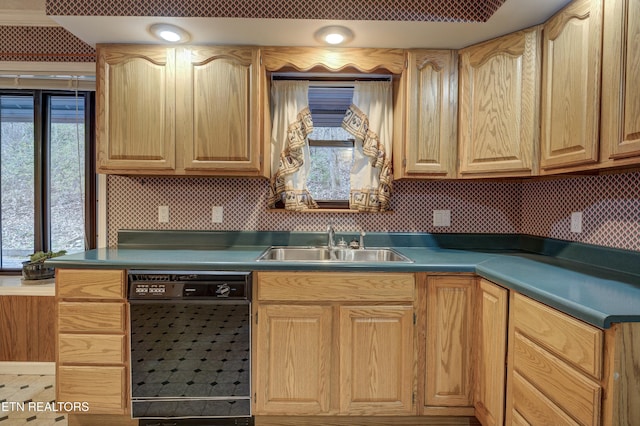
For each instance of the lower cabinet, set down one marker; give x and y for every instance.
(294, 344)
(555, 366)
(376, 356)
(490, 350)
(92, 357)
(101, 387)
(341, 343)
(448, 343)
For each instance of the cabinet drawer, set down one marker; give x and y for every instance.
(575, 341)
(103, 388)
(90, 284)
(569, 389)
(531, 407)
(90, 317)
(335, 286)
(91, 349)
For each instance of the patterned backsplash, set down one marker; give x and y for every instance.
(381, 10)
(610, 206)
(480, 207)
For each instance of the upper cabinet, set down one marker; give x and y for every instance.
(499, 100)
(524, 104)
(191, 110)
(136, 109)
(571, 86)
(428, 148)
(219, 111)
(620, 133)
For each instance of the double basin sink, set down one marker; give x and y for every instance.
(326, 254)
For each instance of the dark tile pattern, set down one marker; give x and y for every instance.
(25, 388)
(380, 10)
(190, 350)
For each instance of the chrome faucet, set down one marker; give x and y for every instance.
(331, 236)
(361, 244)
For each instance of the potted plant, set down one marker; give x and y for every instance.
(35, 269)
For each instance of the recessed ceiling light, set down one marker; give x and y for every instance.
(334, 35)
(169, 33)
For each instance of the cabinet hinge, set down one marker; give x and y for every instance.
(256, 317)
(404, 162)
(415, 318)
(413, 398)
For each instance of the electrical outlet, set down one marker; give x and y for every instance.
(217, 214)
(442, 218)
(576, 222)
(163, 214)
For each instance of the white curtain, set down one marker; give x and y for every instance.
(291, 124)
(370, 120)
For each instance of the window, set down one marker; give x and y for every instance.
(47, 173)
(339, 171)
(332, 160)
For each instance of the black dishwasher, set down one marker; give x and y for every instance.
(190, 347)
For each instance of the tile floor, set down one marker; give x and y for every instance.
(24, 399)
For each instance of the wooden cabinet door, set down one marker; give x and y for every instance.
(620, 89)
(491, 349)
(571, 85)
(218, 109)
(431, 112)
(376, 359)
(102, 388)
(135, 109)
(449, 341)
(499, 99)
(293, 359)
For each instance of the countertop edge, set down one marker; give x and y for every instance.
(512, 272)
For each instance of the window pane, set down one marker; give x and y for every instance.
(67, 173)
(330, 165)
(16, 180)
(329, 175)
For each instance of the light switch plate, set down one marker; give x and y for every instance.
(217, 214)
(163, 214)
(442, 218)
(576, 222)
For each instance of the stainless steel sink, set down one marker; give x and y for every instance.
(325, 254)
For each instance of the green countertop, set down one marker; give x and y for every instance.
(570, 278)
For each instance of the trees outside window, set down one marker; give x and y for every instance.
(47, 174)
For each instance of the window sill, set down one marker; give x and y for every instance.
(323, 211)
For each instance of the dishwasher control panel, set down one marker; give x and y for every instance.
(155, 285)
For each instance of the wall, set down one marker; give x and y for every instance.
(42, 44)
(479, 207)
(610, 206)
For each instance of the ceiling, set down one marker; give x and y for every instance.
(511, 16)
